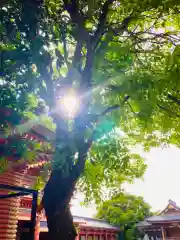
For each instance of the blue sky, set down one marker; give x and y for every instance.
(161, 181)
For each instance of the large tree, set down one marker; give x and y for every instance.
(125, 210)
(120, 58)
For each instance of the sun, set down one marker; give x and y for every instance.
(70, 104)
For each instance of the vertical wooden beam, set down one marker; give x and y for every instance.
(163, 235)
(33, 215)
(37, 228)
(78, 236)
(106, 236)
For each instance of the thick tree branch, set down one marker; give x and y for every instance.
(106, 111)
(72, 8)
(87, 72)
(82, 36)
(50, 97)
(102, 22)
(76, 63)
(112, 32)
(79, 166)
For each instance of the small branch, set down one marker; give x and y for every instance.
(110, 109)
(124, 25)
(125, 100)
(157, 38)
(65, 46)
(174, 99)
(158, 35)
(115, 107)
(132, 109)
(114, 88)
(168, 110)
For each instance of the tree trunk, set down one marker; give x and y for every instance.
(56, 199)
(61, 226)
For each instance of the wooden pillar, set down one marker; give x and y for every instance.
(37, 228)
(77, 237)
(78, 231)
(9, 207)
(163, 233)
(106, 236)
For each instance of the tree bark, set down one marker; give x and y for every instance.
(56, 199)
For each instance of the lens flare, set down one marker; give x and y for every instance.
(70, 104)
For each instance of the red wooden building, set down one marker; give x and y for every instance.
(165, 226)
(15, 212)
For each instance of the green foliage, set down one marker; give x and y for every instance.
(110, 163)
(39, 183)
(125, 211)
(3, 164)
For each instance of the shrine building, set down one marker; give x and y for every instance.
(164, 226)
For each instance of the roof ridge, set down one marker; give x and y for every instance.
(91, 218)
(172, 203)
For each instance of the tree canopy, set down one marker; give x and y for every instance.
(125, 210)
(121, 57)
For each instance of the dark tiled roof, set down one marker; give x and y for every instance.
(96, 223)
(159, 219)
(170, 214)
(88, 222)
(143, 224)
(163, 218)
(84, 221)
